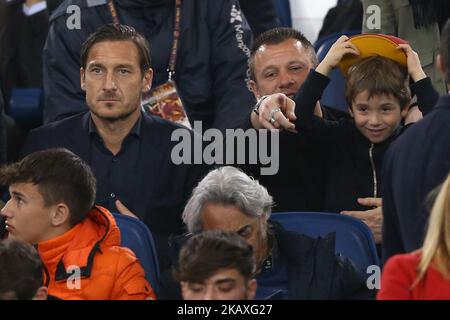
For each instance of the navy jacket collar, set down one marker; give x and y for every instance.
(444, 102)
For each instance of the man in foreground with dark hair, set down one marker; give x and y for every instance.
(216, 265)
(52, 207)
(21, 272)
(415, 164)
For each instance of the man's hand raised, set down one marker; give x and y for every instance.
(276, 111)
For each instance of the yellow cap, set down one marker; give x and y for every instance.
(374, 44)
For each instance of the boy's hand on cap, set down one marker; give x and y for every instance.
(340, 48)
(414, 67)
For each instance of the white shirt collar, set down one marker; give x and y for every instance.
(35, 8)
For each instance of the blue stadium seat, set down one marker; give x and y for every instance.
(26, 105)
(334, 95)
(354, 239)
(136, 236)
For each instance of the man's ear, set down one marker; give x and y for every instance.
(254, 88)
(251, 289)
(41, 294)
(147, 80)
(82, 79)
(184, 289)
(440, 64)
(60, 215)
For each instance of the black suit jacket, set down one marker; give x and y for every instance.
(415, 164)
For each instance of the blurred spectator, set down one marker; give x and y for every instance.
(260, 14)
(415, 164)
(52, 206)
(21, 272)
(216, 265)
(287, 263)
(345, 16)
(423, 274)
(211, 61)
(416, 22)
(23, 30)
(353, 148)
(3, 145)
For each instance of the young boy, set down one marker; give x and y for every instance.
(216, 265)
(52, 207)
(378, 96)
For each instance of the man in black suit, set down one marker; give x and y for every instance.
(129, 152)
(416, 163)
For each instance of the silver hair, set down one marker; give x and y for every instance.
(227, 186)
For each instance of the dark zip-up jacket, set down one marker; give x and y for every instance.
(211, 64)
(353, 162)
(314, 269)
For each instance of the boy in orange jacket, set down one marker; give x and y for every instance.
(52, 207)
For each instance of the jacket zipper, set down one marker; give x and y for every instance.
(374, 172)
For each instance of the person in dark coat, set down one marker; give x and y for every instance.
(288, 265)
(22, 37)
(415, 164)
(211, 61)
(285, 55)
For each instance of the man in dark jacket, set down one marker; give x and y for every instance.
(211, 61)
(278, 62)
(288, 265)
(23, 30)
(128, 151)
(415, 164)
(21, 272)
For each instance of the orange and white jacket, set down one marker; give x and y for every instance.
(88, 263)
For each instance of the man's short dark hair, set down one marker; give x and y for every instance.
(60, 176)
(21, 270)
(118, 32)
(276, 36)
(445, 49)
(207, 252)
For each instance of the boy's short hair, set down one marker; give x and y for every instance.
(60, 176)
(276, 36)
(379, 76)
(21, 270)
(207, 252)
